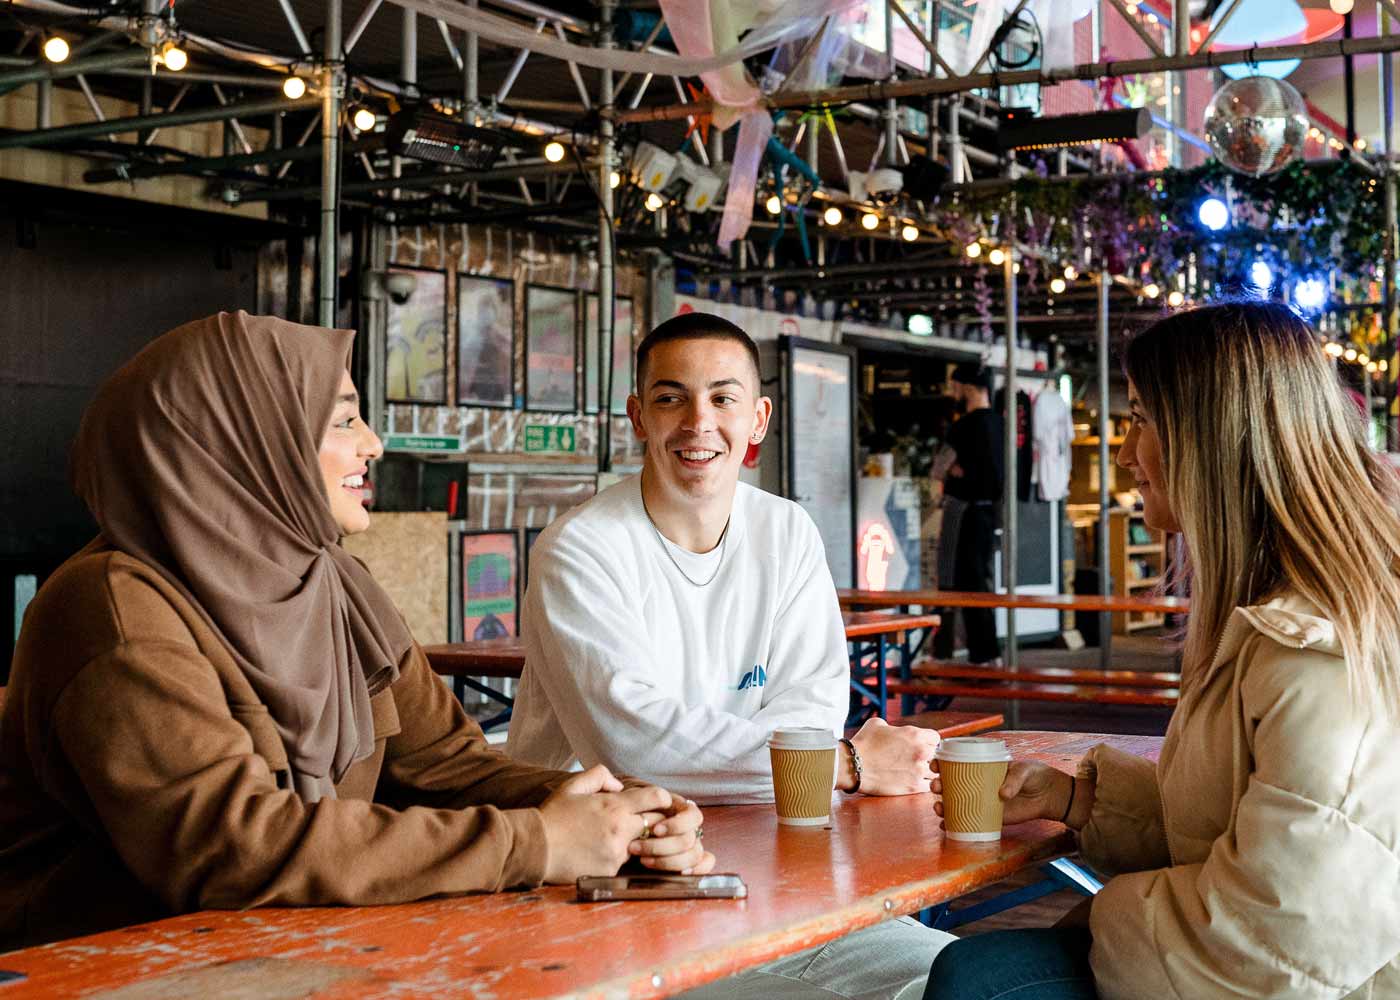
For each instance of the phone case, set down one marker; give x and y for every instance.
(720, 885)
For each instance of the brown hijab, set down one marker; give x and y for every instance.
(199, 457)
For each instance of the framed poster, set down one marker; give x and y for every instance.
(622, 357)
(551, 349)
(490, 584)
(415, 347)
(819, 397)
(485, 341)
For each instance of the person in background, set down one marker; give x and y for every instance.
(1260, 857)
(972, 466)
(675, 620)
(213, 705)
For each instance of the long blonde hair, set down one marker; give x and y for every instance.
(1272, 482)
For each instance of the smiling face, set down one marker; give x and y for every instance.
(1141, 455)
(697, 414)
(346, 448)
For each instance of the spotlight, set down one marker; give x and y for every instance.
(1342, 6)
(832, 216)
(1175, 299)
(1071, 272)
(774, 204)
(997, 256)
(614, 179)
(1151, 290)
(554, 151)
(56, 49)
(1057, 285)
(910, 233)
(294, 87)
(655, 201)
(1261, 275)
(973, 250)
(363, 119)
(1310, 294)
(1019, 130)
(652, 166)
(870, 221)
(1214, 214)
(921, 324)
(174, 57)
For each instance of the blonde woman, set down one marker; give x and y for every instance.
(1261, 856)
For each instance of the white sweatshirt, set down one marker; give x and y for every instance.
(633, 664)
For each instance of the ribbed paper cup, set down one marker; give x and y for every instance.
(972, 769)
(804, 775)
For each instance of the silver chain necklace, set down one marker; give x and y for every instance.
(661, 539)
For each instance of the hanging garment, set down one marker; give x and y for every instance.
(1054, 430)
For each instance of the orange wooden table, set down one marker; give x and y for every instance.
(1087, 603)
(806, 886)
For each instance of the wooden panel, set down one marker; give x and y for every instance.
(864, 624)
(1034, 692)
(942, 670)
(1049, 602)
(806, 886)
(407, 553)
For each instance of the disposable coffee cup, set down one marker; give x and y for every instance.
(972, 769)
(804, 775)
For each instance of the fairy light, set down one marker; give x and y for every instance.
(174, 57)
(1057, 285)
(614, 179)
(832, 216)
(1151, 290)
(997, 256)
(1175, 299)
(654, 201)
(294, 87)
(554, 151)
(56, 49)
(973, 250)
(774, 205)
(870, 221)
(1349, 354)
(910, 233)
(364, 119)
(1070, 272)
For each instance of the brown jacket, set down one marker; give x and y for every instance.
(139, 777)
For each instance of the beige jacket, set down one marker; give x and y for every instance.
(140, 776)
(1261, 857)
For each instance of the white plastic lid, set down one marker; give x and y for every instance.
(802, 738)
(973, 750)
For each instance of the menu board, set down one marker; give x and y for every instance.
(819, 434)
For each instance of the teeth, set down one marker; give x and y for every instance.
(354, 482)
(698, 456)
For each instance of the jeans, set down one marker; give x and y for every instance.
(1048, 964)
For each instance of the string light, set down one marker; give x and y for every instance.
(1175, 299)
(1333, 348)
(294, 87)
(774, 205)
(832, 216)
(1151, 290)
(1371, 368)
(1382, 364)
(1342, 7)
(174, 57)
(1070, 272)
(56, 49)
(910, 233)
(870, 221)
(363, 119)
(654, 201)
(554, 151)
(973, 250)
(997, 256)
(1057, 285)
(1349, 354)
(1362, 359)
(614, 179)
(1016, 267)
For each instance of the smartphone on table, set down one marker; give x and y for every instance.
(718, 885)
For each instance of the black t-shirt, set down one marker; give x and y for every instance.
(979, 440)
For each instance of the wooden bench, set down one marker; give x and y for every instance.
(950, 724)
(1098, 694)
(952, 670)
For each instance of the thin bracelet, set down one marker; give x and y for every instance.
(855, 765)
(1070, 804)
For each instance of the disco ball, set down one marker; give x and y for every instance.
(1257, 125)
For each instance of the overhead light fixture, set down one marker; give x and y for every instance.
(910, 233)
(1175, 299)
(425, 135)
(832, 216)
(1021, 130)
(364, 119)
(870, 221)
(174, 57)
(1057, 285)
(703, 184)
(973, 250)
(56, 49)
(652, 166)
(294, 87)
(554, 151)
(997, 256)
(655, 201)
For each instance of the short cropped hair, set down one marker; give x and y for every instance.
(973, 373)
(693, 326)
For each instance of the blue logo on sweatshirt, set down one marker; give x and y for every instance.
(753, 678)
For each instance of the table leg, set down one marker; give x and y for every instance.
(880, 672)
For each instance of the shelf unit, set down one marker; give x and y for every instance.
(1123, 555)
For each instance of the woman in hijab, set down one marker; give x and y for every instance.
(214, 705)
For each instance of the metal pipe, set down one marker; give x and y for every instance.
(956, 157)
(920, 86)
(332, 92)
(360, 25)
(891, 111)
(573, 70)
(1349, 85)
(1176, 97)
(452, 51)
(150, 136)
(516, 66)
(471, 74)
(295, 25)
(1010, 479)
(311, 126)
(530, 169)
(1105, 584)
(75, 67)
(233, 122)
(43, 108)
(86, 130)
(269, 82)
(607, 276)
(214, 164)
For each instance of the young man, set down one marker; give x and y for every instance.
(971, 507)
(674, 620)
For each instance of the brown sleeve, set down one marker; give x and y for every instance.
(440, 757)
(198, 818)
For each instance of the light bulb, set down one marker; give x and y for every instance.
(294, 87)
(55, 50)
(870, 220)
(1334, 349)
(1175, 299)
(175, 58)
(1372, 368)
(1214, 214)
(1070, 272)
(1016, 267)
(997, 256)
(1151, 290)
(554, 151)
(774, 204)
(1382, 364)
(364, 119)
(1362, 359)
(655, 201)
(832, 216)
(1057, 285)
(1349, 354)
(614, 179)
(1342, 6)
(973, 250)
(910, 233)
